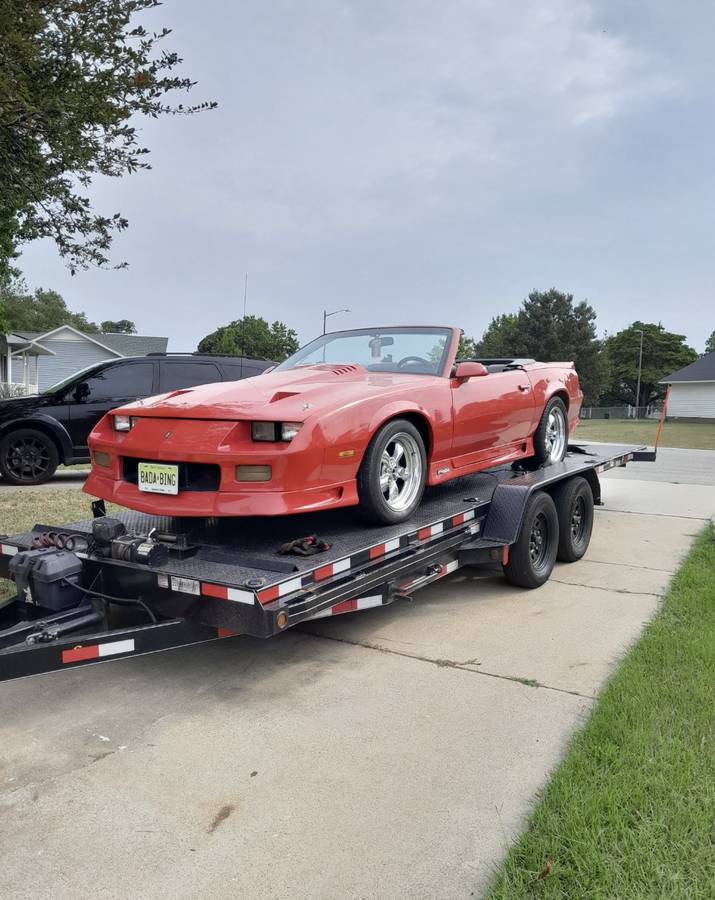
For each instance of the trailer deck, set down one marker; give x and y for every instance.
(226, 576)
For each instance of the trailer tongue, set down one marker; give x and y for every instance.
(111, 587)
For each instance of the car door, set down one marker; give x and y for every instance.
(491, 414)
(111, 386)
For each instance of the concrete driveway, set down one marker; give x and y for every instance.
(391, 753)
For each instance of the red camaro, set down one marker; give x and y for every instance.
(364, 417)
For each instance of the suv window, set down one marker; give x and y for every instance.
(233, 372)
(120, 382)
(177, 375)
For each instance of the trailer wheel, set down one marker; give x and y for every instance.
(574, 507)
(532, 557)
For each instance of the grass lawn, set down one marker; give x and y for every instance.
(630, 813)
(689, 435)
(20, 510)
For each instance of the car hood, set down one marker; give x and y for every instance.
(290, 396)
(15, 407)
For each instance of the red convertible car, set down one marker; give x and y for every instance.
(365, 417)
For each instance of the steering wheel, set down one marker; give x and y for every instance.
(413, 359)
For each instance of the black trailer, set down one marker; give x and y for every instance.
(111, 587)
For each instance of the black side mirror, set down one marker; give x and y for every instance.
(81, 391)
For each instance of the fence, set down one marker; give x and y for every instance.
(621, 412)
(10, 389)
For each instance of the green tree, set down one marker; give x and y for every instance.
(663, 353)
(252, 336)
(549, 326)
(75, 77)
(40, 311)
(710, 343)
(120, 326)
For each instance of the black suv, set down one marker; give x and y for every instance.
(39, 433)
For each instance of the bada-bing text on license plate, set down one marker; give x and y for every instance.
(158, 478)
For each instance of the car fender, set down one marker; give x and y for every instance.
(43, 423)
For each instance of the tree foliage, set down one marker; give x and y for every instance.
(120, 326)
(41, 310)
(252, 336)
(74, 78)
(710, 343)
(549, 326)
(663, 353)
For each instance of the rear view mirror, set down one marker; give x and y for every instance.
(377, 343)
(464, 370)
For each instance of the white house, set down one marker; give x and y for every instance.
(31, 362)
(692, 390)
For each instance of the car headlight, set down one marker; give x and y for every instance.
(289, 430)
(122, 423)
(275, 431)
(125, 423)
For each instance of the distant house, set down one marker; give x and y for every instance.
(692, 390)
(31, 362)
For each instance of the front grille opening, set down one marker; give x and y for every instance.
(192, 476)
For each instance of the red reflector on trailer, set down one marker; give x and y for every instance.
(77, 654)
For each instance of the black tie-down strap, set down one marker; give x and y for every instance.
(305, 546)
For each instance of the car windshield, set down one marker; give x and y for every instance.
(416, 351)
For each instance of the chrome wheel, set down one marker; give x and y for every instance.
(401, 471)
(555, 437)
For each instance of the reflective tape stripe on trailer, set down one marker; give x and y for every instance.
(301, 582)
(97, 651)
(614, 463)
(222, 592)
(347, 606)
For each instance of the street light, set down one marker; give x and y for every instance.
(640, 369)
(326, 316)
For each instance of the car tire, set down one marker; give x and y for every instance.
(392, 476)
(551, 438)
(532, 557)
(28, 456)
(574, 507)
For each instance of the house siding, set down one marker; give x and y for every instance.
(694, 401)
(71, 356)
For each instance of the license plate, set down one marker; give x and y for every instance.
(158, 478)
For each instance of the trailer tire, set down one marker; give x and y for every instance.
(574, 507)
(532, 557)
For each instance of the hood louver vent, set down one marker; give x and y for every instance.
(340, 370)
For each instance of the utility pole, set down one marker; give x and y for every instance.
(640, 369)
(327, 314)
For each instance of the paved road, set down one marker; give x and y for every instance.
(392, 753)
(674, 466)
(63, 478)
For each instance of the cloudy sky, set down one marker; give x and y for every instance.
(420, 162)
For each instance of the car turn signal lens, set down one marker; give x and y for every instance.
(122, 423)
(253, 473)
(102, 458)
(290, 429)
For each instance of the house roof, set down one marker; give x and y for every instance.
(702, 369)
(120, 344)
